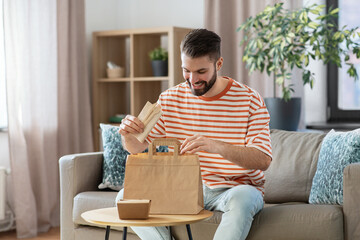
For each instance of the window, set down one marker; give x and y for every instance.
(3, 111)
(343, 91)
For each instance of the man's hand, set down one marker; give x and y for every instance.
(131, 124)
(246, 157)
(199, 143)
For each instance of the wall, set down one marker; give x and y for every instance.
(125, 14)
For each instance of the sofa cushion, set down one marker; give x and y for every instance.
(298, 221)
(86, 201)
(295, 155)
(338, 150)
(295, 221)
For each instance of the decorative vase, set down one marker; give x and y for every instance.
(284, 115)
(160, 67)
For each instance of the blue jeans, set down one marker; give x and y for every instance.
(238, 204)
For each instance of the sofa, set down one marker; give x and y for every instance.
(287, 213)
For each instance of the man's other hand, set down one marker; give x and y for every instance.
(198, 143)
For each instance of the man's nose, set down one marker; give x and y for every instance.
(193, 78)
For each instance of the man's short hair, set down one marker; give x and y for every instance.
(201, 42)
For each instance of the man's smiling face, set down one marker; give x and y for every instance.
(200, 73)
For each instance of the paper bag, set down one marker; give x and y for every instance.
(171, 181)
(149, 115)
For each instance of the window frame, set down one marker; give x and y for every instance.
(334, 113)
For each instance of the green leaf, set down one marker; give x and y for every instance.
(259, 61)
(306, 60)
(337, 35)
(306, 17)
(316, 12)
(287, 94)
(280, 80)
(272, 68)
(291, 34)
(336, 10)
(277, 40)
(282, 46)
(312, 40)
(313, 25)
(301, 17)
(320, 7)
(298, 28)
(271, 52)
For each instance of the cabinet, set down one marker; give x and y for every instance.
(129, 49)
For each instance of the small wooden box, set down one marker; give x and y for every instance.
(133, 209)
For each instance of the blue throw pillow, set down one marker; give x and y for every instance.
(338, 150)
(115, 158)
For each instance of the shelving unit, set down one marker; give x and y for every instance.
(129, 49)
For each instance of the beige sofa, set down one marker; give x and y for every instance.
(286, 215)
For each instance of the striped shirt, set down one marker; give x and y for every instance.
(237, 115)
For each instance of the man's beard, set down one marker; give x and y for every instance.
(207, 86)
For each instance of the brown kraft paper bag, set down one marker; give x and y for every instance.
(171, 181)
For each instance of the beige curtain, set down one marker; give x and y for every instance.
(74, 109)
(224, 17)
(48, 103)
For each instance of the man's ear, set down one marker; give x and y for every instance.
(219, 63)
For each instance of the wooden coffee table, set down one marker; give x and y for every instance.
(109, 217)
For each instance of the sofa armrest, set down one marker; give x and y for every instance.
(351, 201)
(78, 173)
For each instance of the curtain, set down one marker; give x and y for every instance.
(74, 109)
(48, 104)
(224, 17)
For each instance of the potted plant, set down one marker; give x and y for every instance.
(159, 61)
(277, 40)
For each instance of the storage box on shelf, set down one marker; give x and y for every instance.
(129, 49)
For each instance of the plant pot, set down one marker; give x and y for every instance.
(284, 115)
(159, 67)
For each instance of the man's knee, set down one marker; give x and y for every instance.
(244, 197)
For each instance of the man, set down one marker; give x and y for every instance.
(226, 123)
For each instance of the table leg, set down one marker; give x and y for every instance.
(189, 231)
(124, 233)
(107, 233)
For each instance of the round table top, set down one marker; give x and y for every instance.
(110, 217)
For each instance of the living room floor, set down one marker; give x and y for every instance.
(53, 234)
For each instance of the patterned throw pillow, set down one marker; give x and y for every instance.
(338, 150)
(115, 158)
